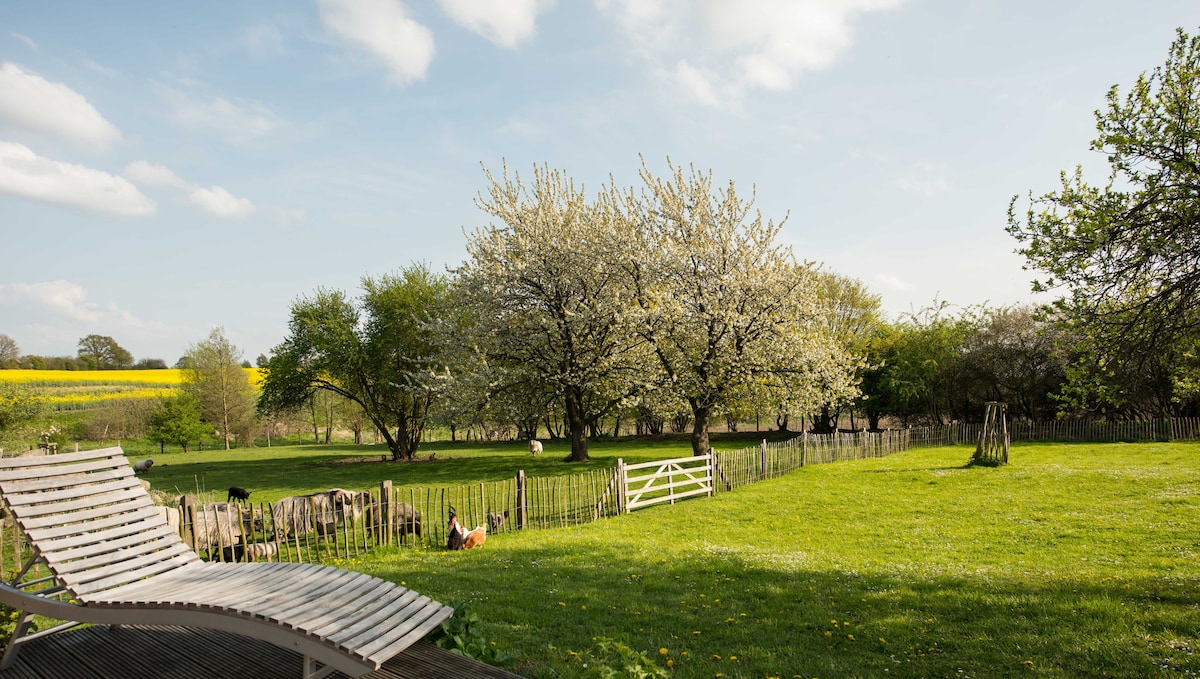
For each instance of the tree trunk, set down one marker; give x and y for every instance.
(579, 443)
(700, 417)
(781, 421)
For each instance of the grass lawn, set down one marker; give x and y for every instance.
(1073, 560)
(272, 473)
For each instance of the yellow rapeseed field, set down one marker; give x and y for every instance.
(78, 389)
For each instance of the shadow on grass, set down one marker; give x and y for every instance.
(716, 613)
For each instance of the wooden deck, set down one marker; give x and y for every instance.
(179, 653)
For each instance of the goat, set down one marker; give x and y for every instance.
(142, 466)
(240, 494)
(535, 447)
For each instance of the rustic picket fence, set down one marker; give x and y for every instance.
(419, 516)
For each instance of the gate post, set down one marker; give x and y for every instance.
(522, 500)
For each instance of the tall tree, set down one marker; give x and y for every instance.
(176, 420)
(214, 377)
(1127, 255)
(550, 309)
(10, 353)
(380, 351)
(720, 301)
(103, 353)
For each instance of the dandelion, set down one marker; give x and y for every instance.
(662, 651)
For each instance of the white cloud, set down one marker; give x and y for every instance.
(25, 39)
(218, 202)
(149, 174)
(66, 299)
(505, 24)
(237, 121)
(699, 84)
(926, 179)
(30, 102)
(385, 31)
(750, 44)
(890, 282)
(27, 175)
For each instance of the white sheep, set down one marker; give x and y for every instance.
(142, 466)
(535, 447)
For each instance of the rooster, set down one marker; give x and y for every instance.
(456, 535)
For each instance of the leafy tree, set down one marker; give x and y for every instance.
(176, 420)
(852, 317)
(150, 364)
(550, 312)
(1127, 255)
(18, 405)
(721, 303)
(380, 351)
(215, 378)
(10, 353)
(103, 353)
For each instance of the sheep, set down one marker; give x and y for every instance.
(170, 515)
(535, 447)
(223, 524)
(142, 466)
(255, 551)
(496, 519)
(405, 519)
(240, 494)
(304, 514)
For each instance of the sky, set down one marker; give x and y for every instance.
(167, 168)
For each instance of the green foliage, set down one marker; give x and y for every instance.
(214, 377)
(101, 352)
(19, 405)
(461, 634)
(1127, 255)
(176, 420)
(9, 617)
(609, 659)
(380, 351)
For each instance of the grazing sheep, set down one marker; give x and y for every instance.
(142, 466)
(405, 519)
(223, 524)
(255, 551)
(495, 520)
(305, 514)
(240, 494)
(475, 538)
(535, 447)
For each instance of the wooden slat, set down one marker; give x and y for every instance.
(86, 544)
(341, 600)
(171, 550)
(129, 547)
(329, 623)
(59, 458)
(85, 503)
(399, 624)
(14, 487)
(136, 574)
(137, 514)
(54, 496)
(47, 471)
(417, 627)
(343, 636)
(55, 520)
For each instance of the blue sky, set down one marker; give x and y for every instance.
(170, 167)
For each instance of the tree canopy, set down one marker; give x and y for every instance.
(1126, 255)
(380, 351)
(214, 377)
(103, 353)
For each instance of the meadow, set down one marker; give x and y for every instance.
(1073, 560)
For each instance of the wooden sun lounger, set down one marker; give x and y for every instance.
(114, 560)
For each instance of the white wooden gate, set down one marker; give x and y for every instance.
(669, 481)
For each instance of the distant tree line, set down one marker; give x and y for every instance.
(95, 352)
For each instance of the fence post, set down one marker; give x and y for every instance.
(621, 486)
(804, 450)
(385, 511)
(187, 507)
(712, 473)
(762, 459)
(522, 500)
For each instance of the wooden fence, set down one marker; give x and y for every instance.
(419, 516)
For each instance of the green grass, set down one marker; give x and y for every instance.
(272, 473)
(1073, 560)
